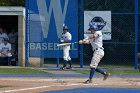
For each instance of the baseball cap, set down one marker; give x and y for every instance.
(5, 39)
(65, 28)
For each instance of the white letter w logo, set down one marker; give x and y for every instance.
(45, 15)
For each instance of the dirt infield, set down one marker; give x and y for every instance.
(35, 85)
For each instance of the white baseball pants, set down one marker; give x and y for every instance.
(97, 56)
(66, 55)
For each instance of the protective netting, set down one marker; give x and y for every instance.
(120, 50)
(116, 6)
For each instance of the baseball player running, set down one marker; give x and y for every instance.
(66, 38)
(95, 39)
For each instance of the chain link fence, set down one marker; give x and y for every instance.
(121, 49)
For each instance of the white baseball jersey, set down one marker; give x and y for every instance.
(2, 36)
(6, 48)
(66, 37)
(97, 45)
(98, 41)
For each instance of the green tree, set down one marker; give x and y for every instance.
(12, 2)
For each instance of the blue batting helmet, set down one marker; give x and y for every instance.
(65, 27)
(5, 39)
(93, 25)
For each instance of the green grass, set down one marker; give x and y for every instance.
(3, 86)
(116, 66)
(114, 71)
(21, 71)
(124, 71)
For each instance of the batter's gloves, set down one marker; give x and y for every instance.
(81, 42)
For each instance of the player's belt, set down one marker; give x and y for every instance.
(98, 48)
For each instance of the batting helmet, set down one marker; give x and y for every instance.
(92, 25)
(65, 27)
(5, 39)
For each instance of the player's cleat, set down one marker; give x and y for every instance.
(69, 68)
(63, 68)
(106, 76)
(88, 81)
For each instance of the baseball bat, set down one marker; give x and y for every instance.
(3, 54)
(65, 44)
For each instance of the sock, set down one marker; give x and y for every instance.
(100, 71)
(92, 70)
(65, 63)
(70, 63)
